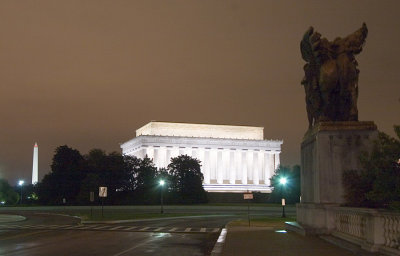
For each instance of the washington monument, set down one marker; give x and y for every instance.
(35, 164)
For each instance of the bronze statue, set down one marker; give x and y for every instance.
(331, 75)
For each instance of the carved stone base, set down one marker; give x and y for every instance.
(326, 151)
(315, 219)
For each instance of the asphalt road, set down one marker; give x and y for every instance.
(44, 233)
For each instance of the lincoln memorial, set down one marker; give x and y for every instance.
(233, 158)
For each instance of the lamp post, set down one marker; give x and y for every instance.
(21, 183)
(162, 182)
(283, 182)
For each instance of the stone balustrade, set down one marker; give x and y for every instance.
(372, 229)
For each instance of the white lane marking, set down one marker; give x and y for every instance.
(158, 229)
(130, 228)
(91, 226)
(63, 226)
(82, 227)
(222, 236)
(217, 250)
(215, 230)
(143, 229)
(172, 229)
(101, 227)
(70, 227)
(188, 229)
(203, 230)
(117, 227)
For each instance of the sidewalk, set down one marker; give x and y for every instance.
(273, 241)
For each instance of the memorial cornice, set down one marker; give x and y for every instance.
(150, 140)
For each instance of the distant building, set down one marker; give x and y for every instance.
(233, 158)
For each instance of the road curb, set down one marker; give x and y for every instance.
(217, 250)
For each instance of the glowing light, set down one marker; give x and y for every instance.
(21, 182)
(162, 182)
(281, 231)
(283, 181)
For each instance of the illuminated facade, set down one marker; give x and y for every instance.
(233, 158)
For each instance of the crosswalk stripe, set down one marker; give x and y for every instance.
(81, 227)
(91, 226)
(110, 228)
(70, 227)
(100, 227)
(63, 226)
(130, 228)
(117, 227)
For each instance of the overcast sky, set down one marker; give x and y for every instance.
(89, 73)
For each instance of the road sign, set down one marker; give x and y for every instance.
(247, 196)
(91, 196)
(102, 191)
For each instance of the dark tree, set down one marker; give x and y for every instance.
(7, 194)
(377, 185)
(291, 190)
(113, 171)
(187, 179)
(131, 165)
(65, 177)
(145, 183)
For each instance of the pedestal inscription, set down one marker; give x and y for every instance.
(326, 151)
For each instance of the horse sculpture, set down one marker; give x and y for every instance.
(331, 75)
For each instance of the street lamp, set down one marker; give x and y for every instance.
(283, 182)
(21, 183)
(162, 182)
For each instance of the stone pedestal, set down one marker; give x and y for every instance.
(326, 151)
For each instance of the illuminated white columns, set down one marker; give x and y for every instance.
(206, 166)
(174, 152)
(188, 151)
(269, 167)
(238, 165)
(250, 169)
(255, 168)
(232, 167)
(220, 170)
(277, 160)
(213, 166)
(244, 167)
(260, 164)
(225, 164)
(150, 152)
(168, 155)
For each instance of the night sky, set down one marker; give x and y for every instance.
(89, 73)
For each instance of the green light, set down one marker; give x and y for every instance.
(283, 181)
